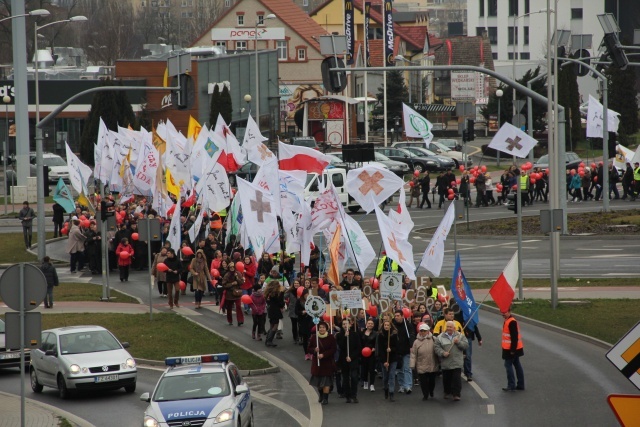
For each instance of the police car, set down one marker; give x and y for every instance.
(199, 391)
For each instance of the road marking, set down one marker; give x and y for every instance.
(290, 410)
(598, 249)
(478, 390)
(491, 410)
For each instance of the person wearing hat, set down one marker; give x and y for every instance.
(443, 188)
(322, 346)
(424, 361)
(450, 347)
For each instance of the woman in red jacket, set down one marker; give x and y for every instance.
(250, 268)
(124, 261)
(323, 365)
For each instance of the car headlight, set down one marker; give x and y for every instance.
(223, 416)
(74, 369)
(129, 364)
(149, 421)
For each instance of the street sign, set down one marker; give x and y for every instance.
(626, 408)
(625, 355)
(579, 69)
(35, 287)
(179, 64)
(154, 229)
(519, 105)
(518, 120)
(32, 329)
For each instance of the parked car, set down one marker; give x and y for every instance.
(445, 162)
(57, 166)
(305, 141)
(340, 163)
(452, 144)
(81, 358)
(415, 162)
(571, 161)
(10, 358)
(399, 168)
(439, 149)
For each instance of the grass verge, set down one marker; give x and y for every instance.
(595, 318)
(168, 334)
(86, 292)
(12, 249)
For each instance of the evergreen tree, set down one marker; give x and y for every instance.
(103, 105)
(397, 93)
(214, 108)
(569, 98)
(622, 99)
(126, 116)
(143, 120)
(226, 106)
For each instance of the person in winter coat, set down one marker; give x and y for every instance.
(323, 347)
(201, 276)
(250, 268)
(231, 283)
(124, 262)
(58, 219)
(51, 275)
(576, 188)
(425, 186)
(291, 298)
(414, 192)
(305, 322)
(488, 193)
(387, 350)
(368, 338)
(450, 347)
(406, 335)
(265, 264)
(348, 341)
(481, 190)
(173, 277)
(274, 294)
(160, 276)
(258, 313)
(75, 246)
(424, 360)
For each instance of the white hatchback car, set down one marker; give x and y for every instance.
(78, 358)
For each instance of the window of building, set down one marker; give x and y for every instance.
(480, 31)
(526, 35)
(493, 8)
(227, 3)
(494, 55)
(305, 3)
(187, 14)
(510, 56)
(302, 54)
(510, 35)
(241, 45)
(525, 55)
(526, 6)
(576, 13)
(187, 3)
(143, 3)
(513, 7)
(240, 19)
(481, 7)
(282, 48)
(261, 19)
(492, 33)
(221, 43)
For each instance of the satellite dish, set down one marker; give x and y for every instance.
(582, 55)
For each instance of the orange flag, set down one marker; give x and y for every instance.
(334, 253)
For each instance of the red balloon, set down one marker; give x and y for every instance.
(483, 168)
(300, 291)
(593, 165)
(86, 223)
(64, 231)
(161, 266)
(375, 283)
(450, 196)
(406, 313)
(214, 272)
(499, 187)
(581, 173)
(82, 218)
(573, 172)
(595, 178)
(134, 236)
(458, 181)
(366, 352)
(581, 165)
(411, 184)
(547, 171)
(187, 251)
(325, 288)
(124, 255)
(240, 266)
(472, 179)
(214, 282)
(475, 168)
(183, 286)
(372, 311)
(450, 191)
(246, 299)
(461, 168)
(532, 180)
(326, 317)
(416, 173)
(320, 282)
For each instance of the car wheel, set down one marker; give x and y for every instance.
(251, 417)
(130, 388)
(418, 167)
(456, 164)
(63, 391)
(35, 385)
(354, 209)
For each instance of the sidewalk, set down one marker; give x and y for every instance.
(37, 414)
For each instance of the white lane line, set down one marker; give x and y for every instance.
(598, 249)
(491, 410)
(290, 410)
(478, 390)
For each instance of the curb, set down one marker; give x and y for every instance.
(553, 328)
(61, 413)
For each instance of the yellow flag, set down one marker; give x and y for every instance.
(193, 130)
(126, 162)
(334, 250)
(84, 201)
(171, 185)
(159, 143)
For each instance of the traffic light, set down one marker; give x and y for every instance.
(333, 81)
(465, 135)
(471, 124)
(184, 97)
(561, 53)
(107, 209)
(614, 49)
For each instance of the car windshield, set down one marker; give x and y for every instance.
(54, 161)
(441, 146)
(421, 151)
(88, 342)
(381, 157)
(305, 142)
(192, 386)
(544, 159)
(404, 152)
(1, 326)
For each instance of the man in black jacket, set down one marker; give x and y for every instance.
(406, 336)
(425, 184)
(58, 219)
(51, 276)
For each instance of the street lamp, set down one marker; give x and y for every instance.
(35, 12)
(247, 99)
(255, 34)
(7, 100)
(397, 128)
(42, 250)
(499, 94)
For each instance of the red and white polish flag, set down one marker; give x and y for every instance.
(504, 289)
(301, 158)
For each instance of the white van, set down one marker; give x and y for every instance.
(338, 177)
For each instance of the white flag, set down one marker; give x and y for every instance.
(595, 113)
(175, 229)
(176, 159)
(401, 217)
(258, 215)
(253, 143)
(513, 141)
(79, 173)
(397, 248)
(102, 146)
(199, 153)
(415, 124)
(106, 153)
(290, 226)
(144, 179)
(214, 186)
(371, 185)
(267, 178)
(434, 254)
(194, 231)
(305, 233)
(292, 189)
(358, 246)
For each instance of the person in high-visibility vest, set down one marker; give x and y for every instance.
(636, 181)
(512, 350)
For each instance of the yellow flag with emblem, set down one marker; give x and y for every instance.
(172, 187)
(84, 201)
(159, 143)
(193, 130)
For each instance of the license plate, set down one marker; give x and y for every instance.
(9, 355)
(106, 378)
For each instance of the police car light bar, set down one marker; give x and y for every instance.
(190, 360)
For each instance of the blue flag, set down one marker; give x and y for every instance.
(63, 197)
(463, 296)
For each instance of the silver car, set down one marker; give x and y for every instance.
(79, 358)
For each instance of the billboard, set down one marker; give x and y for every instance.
(463, 85)
(247, 34)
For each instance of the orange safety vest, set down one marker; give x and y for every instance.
(506, 335)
